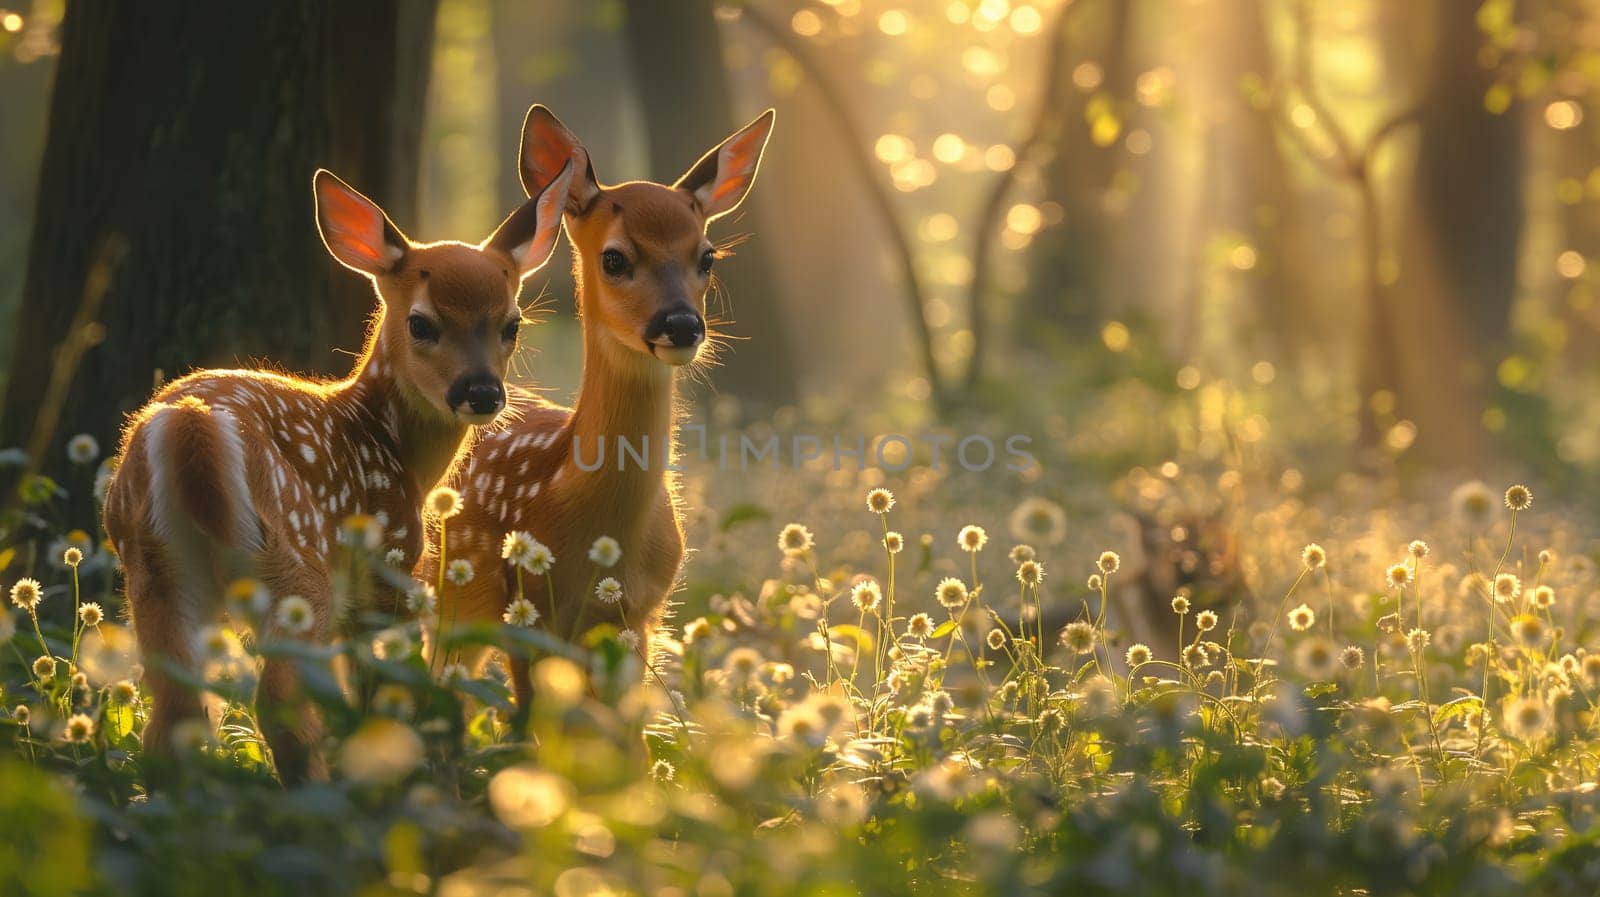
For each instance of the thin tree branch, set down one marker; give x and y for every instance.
(1044, 116)
(856, 143)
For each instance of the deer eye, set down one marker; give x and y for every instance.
(509, 332)
(614, 262)
(707, 259)
(422, 329)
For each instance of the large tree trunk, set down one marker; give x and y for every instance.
(1452, 304)
(1069, 264)
(177, 176)
(682, 84)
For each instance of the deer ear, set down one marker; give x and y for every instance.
(722, 177)
(354, 229)
(529, 234)
(546, 146)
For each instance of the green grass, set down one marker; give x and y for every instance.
(798, 735)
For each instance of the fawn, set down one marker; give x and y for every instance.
(249, 473)
(642, 264)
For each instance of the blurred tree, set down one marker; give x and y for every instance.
(1069, 262)
(175, 195)
(682, 85)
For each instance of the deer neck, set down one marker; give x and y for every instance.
(423, 441)
(624, 395)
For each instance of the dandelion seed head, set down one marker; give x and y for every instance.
(1527, 718)
(26, 594)
(1180, 605)
(515, 546)
(1528, 629)
(91, 613)
(1021, 553)
(44, 667)
(1398, 576)
(21, 714)
(1519, 498)
(893, 542)
(1030, 573)
(444, 502)
(1038, 519)
(996, 639)
(1352, 657)
(72, 556)
(663, 772)
(880, 501)
(1417, 640)
(362, 532)
(1051, 721)
(951, 592)
(866, 595)
(1544, 597)
(741, 664)
(1507, 587)
(248, 597)
(83, 449)
(1094, 582)
(1417, 549)
(972, 538)
(295, 615)
(1546, 557)
(459, 572)
(1205, 620)
(1109, 562)
(605, 551)
(124, 693)
(520, 612)
(1313, 556)
(919, 626)
(1195, 657)
(608, 590)
(1138, 654)
(1302, 618)
(795, 540)
(629, 639)
(395, 557)
(79, 729)
(1078, 637)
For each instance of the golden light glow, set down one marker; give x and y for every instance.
(1087, 75)
(1242, 257)
(1115, 335)
(941, 226)
(999, 157)
(1571, 264)
(949, 148)
(958, 12)
(982, 61)
(1139, 141)
(893, 22)
(1001, 98)
(1303, 116)
(892, 148)
(1563, 114)
(1026, 20)
(1024, 218)
(806, 23)
(11, 22)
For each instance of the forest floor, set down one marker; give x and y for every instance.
(1202, 675)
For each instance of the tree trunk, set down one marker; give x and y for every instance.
(683, 90)
(1459, 253)
(176, 177)
(1069, 264)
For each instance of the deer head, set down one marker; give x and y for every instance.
(643, 260)
(450, 316)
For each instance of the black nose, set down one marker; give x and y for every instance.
(481, 393)
(684, 328)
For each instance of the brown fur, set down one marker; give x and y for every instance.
(526, 477)
(314, 453)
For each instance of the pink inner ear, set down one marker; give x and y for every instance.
(355, 229)
(547, 151)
